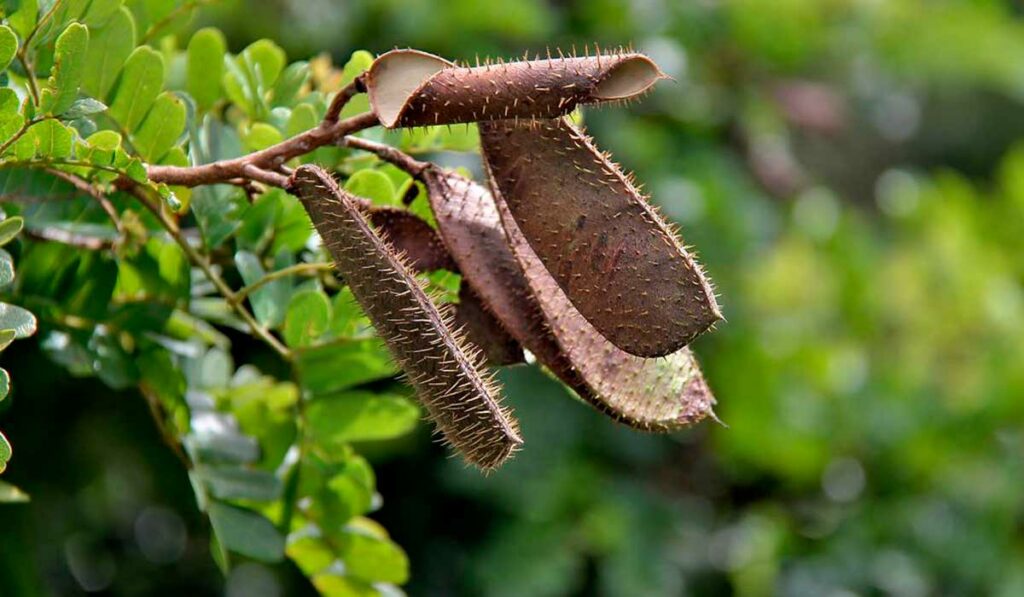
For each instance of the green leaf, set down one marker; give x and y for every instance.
(359, 416)
(237, 483)
(10, 228)
(162, 127)
(309, 551)
(372, 185)
(15, 318)
(47, 139)
(260, 136)
(340, 365)
(109, 47)
(68, 67)
(270, 300)
(356, 65)
(370, 555)
(23, 20)
(100, 12)
(84, 107)
(5, 377)
(8, 46)
(6, 337)
(334, 584)
(102, 147)
(6, 268)
(140, 83)
(290, 82)
(9, 494)
(308, 316)
(303, 118)
(246, 532)
(9, 102)
(5, 452)
(205, 66)
(349, 320)
(268, 59)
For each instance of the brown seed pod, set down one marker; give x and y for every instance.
(611, 253)
(411, 236)
(413, 88)
(649, 394)
(463, 402)
(485, 331)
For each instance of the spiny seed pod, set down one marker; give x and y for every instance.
(654, 394)
(413, 88)
(411, 236)
(611, 253)
(649, 394)
(485, 331)
(462, 402)
(469, 225)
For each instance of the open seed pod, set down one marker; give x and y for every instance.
(462, 401)
(613, 256)
(649, 394)
(413, 88)
(412, 237)
(484, 330)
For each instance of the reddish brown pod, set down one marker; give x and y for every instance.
(649, 394)
(463, 402)
(413, 88)
(617, 261)
(411, 237)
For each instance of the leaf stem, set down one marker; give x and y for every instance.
(389, 154)
(203, 263)
(298, 268)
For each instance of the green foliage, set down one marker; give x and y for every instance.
(123, 295)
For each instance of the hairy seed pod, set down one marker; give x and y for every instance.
(485, 331)
(649, 394)
(463, 402)
(615, 258)
(411, 236)
(413, 88)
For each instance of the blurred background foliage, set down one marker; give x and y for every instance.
(849, 171)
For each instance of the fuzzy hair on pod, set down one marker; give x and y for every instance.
(618, 262)
(463, 402)
(660, 394)
(414, 88)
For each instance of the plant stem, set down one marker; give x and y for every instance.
(203, 263)
(389, 154)
(270, 158)
(298, 268)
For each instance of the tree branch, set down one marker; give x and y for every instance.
(270, 158)
(389, 154)
(203, 263)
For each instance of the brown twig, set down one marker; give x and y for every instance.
(203, 263)
(88, 189)
(270, 158)
(389, 154)
(265, 176)
(64, 237)
(341, 98)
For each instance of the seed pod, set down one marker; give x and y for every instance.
(649, 394)
(484, 331)
(413, 88)
(617, 261)
(462, 402)
(412, 237)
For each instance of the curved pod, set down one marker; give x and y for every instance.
(613, 256)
